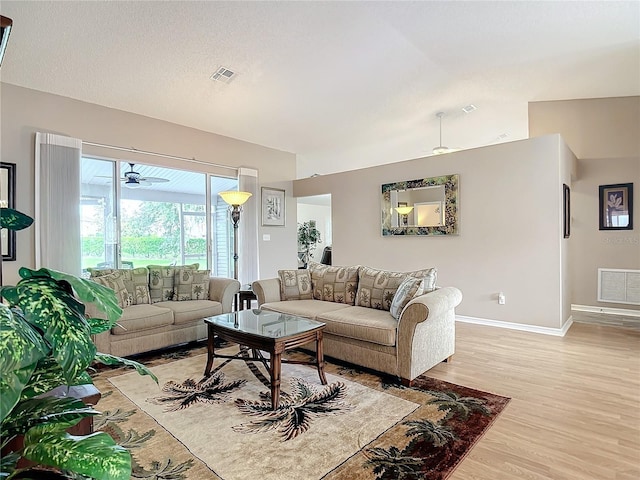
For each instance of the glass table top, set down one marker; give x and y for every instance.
(264, 323)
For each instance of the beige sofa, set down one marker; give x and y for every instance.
(355, 304)
(146, 326)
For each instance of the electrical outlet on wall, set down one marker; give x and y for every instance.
(501, 299)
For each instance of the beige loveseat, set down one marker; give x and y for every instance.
(151, 319)
(392, 322)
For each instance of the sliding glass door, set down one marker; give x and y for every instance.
(149, 215)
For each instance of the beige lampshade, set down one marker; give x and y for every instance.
(234, 197)
(404, 210)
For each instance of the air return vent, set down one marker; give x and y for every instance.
(619, 286)
(223, 75)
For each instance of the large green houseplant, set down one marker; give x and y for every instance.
(45, 342)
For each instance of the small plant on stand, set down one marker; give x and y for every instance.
(308, 238)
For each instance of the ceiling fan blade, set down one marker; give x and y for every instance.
(153, 179)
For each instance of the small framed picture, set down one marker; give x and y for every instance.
(566, 210)
(273, 207)
(616, 206)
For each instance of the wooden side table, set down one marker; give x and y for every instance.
(245, 297)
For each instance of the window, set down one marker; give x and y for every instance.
(160, 219)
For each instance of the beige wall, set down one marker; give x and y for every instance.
(25, 112)
(604, 133)
(510, 227)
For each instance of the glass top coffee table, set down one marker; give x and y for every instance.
(269, 332)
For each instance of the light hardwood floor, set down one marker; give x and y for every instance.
(575, 408)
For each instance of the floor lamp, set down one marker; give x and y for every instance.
(235, 200)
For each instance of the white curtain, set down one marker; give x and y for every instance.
(57, 212)
(248, 266)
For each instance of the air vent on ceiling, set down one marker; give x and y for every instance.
(469, 108)
(223, 75)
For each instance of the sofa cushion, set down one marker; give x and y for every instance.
(376, 288)
(191, 284)
(161, 281)
(115, 282)
(303, 308)
(361, 323)
(295, 284)
(136, 281)
(408, 289)
(142, 317)
(334, 284)
(187, 312)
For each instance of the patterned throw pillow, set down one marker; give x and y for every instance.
(136, 281)
(115, 282)
(334, 284)
(295, 285)
(406, 291)
(376, 288)
(161, 280)
(191, 284)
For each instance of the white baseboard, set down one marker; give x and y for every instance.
(606, 310)
(558, 332)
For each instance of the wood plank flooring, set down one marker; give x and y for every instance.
(575, 408)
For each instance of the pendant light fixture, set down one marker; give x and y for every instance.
(440, 149)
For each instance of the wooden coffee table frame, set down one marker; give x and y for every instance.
(275, 346)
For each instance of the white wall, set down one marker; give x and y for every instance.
(510, 238)
(26, 111)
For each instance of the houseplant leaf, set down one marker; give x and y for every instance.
(64, 412)
(108, 359)
(20, 349)
(95, 455)
(11, 386)
(91, 292)
(48, 306)
(13, 219)
(47, 376)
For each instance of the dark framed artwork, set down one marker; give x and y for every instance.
(8, 200)
(616, 206)
(273, 206)
(566, 210)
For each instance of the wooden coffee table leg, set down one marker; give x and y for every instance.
(210, 350)
(275, 368)
(320, 358)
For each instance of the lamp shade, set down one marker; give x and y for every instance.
(404, 210)
(234, 197)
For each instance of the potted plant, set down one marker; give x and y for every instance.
(45, 342)
(308, 238)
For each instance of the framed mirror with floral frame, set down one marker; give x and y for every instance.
(394, 196)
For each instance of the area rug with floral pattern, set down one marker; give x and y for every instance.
(358, 426)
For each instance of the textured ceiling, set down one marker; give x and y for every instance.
(342, 84)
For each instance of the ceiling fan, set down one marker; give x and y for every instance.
(440, 149)
(133, 179)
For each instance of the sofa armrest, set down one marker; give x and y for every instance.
(426, 331)
(267, 290)
(223, 290)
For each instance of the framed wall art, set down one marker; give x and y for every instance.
(273, 207)
(566, 210)
(8, 200)
(616, 206)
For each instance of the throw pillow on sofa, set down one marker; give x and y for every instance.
(376, 288)
(115, 282)
(136, 281)
(295, 285)
(334, 284)
(161, 281)
(408, 289)
(191, 284)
